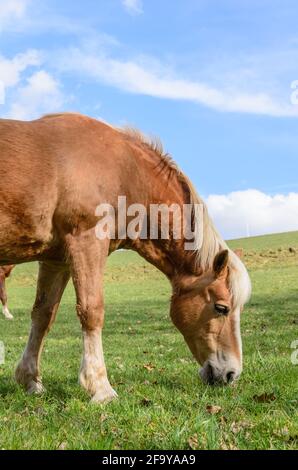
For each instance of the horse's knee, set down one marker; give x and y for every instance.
(91, 316)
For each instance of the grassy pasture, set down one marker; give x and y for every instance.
(162, 403)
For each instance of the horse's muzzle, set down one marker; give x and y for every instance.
(212, 375)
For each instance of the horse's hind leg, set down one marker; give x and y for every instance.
(52, 280)
(87, 258)
(3, 298)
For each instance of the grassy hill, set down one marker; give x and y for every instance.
(162, 403)
(267, 242)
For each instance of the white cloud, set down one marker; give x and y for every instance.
(253, 212)
(247, 86)
(41, 94)
(12, 11)
(11, 69)
(37, 17)
(141, 77)
(2, 93)
(27, 94)
(134, 7)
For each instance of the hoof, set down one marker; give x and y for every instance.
(7, 314)
(24, 378)
(103, 397)
(35, 388)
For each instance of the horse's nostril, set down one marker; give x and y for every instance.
(210, 375)
(230, 376)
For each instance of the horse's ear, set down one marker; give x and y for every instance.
(220, 264)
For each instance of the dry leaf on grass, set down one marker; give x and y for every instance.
(193, 442)
(228, 446)
(213, 409)
(240, 426)
(146, 402)
(150, 367)
(264, 398)
(62, 446)
(223, 420)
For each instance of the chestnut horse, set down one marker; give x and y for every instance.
(57, 170)
(5, 273)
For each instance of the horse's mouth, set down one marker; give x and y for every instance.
(208, 377)
(211, 375)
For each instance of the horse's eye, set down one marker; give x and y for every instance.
(222, 309)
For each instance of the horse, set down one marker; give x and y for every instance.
(57, 170)
(5, 273)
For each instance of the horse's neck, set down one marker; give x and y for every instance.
(169, 256)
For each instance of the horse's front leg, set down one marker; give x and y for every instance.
(52, 280)
(87, 258)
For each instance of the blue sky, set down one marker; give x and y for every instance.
(212, 79)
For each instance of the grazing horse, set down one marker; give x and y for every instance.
(57, 170)
(4, 273)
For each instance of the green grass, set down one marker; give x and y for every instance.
(265, 242)
(166, 407)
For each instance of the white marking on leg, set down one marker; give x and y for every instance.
(6, 312)
(93, 374)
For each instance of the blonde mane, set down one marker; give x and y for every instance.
(209, 242)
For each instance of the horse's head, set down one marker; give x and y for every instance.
(206, 310)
